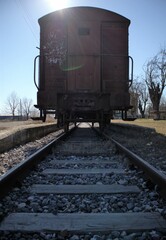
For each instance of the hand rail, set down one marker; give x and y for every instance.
(131, 74)
(35, 71)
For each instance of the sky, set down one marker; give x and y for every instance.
(19, 37)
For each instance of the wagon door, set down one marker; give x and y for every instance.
(83, 57)
(114, 50)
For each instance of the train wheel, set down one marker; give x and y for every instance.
(101, 125)
(107, 119)
(58, 124)
(44, 116)
(101, 122)
(66, 127)
(59, 121)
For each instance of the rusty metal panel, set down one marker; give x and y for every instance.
(53, 50)
(84, 56)
(115, 38)
(114, 57)
(84, 74)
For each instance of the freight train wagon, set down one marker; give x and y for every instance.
(83, 65)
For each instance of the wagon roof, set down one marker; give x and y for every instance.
(66, 13)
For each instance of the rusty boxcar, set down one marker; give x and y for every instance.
(83, 65)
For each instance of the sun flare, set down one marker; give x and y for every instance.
(57, 4)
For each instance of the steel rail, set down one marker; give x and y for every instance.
(15, 174)
(152, 173)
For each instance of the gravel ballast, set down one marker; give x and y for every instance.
(23, 200)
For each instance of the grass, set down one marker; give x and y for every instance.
(159, 126)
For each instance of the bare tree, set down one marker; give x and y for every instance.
(143, 99)
(155, 78)
(140, 90)
(12, 103)
(26, 106)
(163, 103)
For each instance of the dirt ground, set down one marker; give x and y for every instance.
(8, 127)
(159, 126)
(5, 125)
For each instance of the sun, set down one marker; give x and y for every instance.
(57, 4)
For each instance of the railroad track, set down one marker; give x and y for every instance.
(82, 190)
